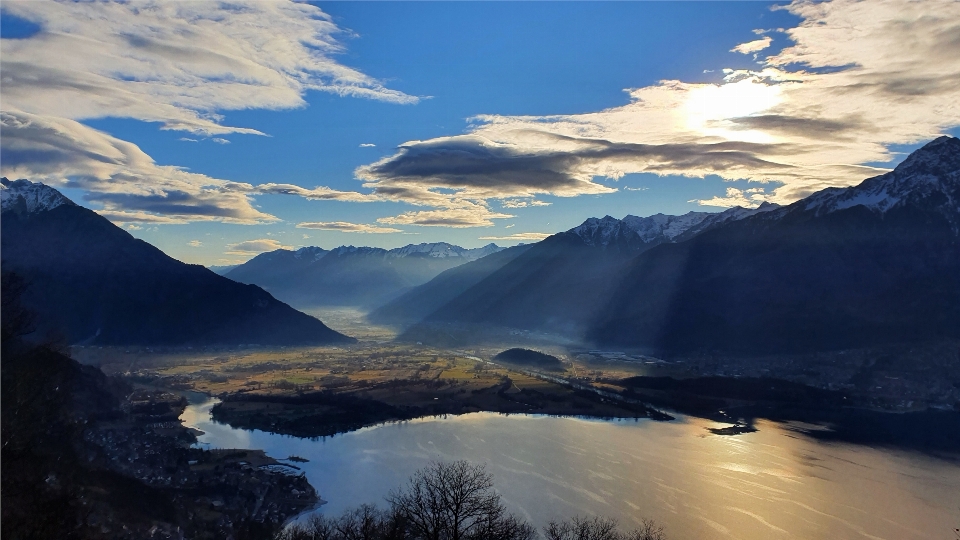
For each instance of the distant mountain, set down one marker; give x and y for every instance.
(559, 284)
(867, 265)
(221, 270)
(351, 276)
(92, 282)
(414, 305)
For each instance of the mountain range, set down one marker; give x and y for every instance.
(351, 276)
(845, 267)
(558, 284)
(91, 282)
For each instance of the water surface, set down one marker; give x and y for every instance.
(772, 484)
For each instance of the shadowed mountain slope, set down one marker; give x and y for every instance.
(96, 284)
(867, 265)
(423, 300)
(559, 284)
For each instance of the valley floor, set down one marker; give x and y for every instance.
(321, 391)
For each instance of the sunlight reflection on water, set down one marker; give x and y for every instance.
(770, 484)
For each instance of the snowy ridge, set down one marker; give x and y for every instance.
(442, 250)
(658, 228)
(30, 197)
(310, 253)
(437, 250)
(930, 173)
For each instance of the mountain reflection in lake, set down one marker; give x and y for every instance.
(771, 484)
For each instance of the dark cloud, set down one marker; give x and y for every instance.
(800, 126)
(473, 164)
(178, 203)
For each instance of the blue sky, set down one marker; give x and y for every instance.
(450, 62)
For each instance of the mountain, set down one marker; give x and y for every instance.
(423, 300)
(872, 264)
(91, 282)
(351, 276)
(221, 270)
(558, 284)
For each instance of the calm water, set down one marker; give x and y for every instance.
(771, 484)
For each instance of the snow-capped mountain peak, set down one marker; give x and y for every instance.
(310, 253)
(930, 173)
(658, 228)
(442, 250)
(30, 197)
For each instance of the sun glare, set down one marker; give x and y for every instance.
(710, 108)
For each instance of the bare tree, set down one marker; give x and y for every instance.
(648, 530)
(583, 528)
(600, 528)
(456, 501)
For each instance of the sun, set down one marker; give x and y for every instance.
(711, 107)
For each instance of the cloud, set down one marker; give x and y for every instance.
(187, 139)
(858, 78)
(218, 140)
(115, 173)
(753, 46)
(641, 188)
(367, 145)
(747, 198)
(194, 243)
(253, 247)
(344, 226)
(519, 203)
(478, 216)
(178, 64)
(534, 236)
(317, 193)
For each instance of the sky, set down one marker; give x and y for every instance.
(219, 130)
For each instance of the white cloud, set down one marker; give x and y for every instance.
(534, 236)
(253, 247)
(458, 218)
(344, 226)
(753, 46)
(175, 63)
(747, 198)
(861, 76)
(520, 203)
(218, 140)
(115, 173)
(194, 243)
(367, 145)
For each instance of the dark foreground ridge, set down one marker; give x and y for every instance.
(89, 457)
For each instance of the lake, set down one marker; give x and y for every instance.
(772, 484)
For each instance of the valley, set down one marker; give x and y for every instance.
(323, 391)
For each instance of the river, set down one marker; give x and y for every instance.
(775, 483)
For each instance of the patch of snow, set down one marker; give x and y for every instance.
(30, 196)
(658, 227)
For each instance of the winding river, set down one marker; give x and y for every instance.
(772, 484)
